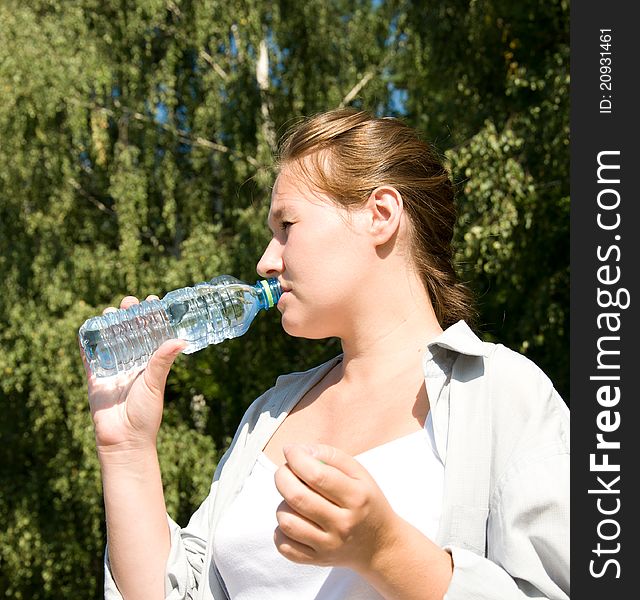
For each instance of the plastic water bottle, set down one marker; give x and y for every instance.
(204, 314)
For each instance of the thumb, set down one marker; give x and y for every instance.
(332, 456)
(157, 370)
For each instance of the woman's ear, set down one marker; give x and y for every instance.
(385, 208)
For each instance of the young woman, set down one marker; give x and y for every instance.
(420, 463)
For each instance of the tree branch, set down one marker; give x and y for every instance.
(355, 90)
(214, 65)
(181, 134)
(99, 205)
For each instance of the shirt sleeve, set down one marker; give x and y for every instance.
(527, 537)
(185, 564)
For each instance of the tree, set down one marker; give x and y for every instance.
(136, 158)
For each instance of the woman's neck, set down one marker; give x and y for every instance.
(388, 338)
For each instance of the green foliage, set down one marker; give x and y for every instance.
(136, 158)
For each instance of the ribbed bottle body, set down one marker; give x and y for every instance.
(204, 314)
(123, 340)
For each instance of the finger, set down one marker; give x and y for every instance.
(128, 301)
(293, 550)
(299, 528)
(157, 370)
(336, 482)
(151, 297)
(109, 309)
(304, 500)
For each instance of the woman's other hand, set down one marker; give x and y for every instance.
(333, 512)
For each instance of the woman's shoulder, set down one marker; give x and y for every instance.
(300, 377)
(287, 389)
(528, 415)
(505, 369)
(511, 371)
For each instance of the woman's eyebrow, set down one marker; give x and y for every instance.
(275, 216)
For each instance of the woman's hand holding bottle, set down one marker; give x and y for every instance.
(127, 408)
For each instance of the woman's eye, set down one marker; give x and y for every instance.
(285, 225)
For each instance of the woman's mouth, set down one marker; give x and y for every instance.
(282, 295)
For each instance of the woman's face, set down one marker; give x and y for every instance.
(318, 252)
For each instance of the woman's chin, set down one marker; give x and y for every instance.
(302, 329)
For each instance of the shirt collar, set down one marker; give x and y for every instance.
(459, 338)
(438, 364)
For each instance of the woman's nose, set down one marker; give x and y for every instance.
(271, 263)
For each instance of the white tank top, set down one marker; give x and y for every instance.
(409, 473)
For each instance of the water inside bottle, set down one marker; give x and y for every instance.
(204, 314)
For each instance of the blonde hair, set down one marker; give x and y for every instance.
(349, 153)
